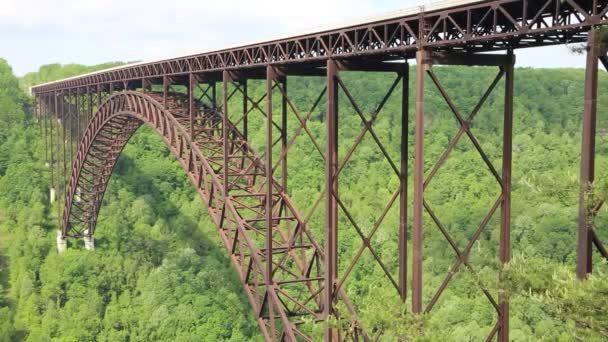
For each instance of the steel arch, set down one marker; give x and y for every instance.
(296, 289)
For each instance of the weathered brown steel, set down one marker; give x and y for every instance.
(288, 277)
(483, 26)
(587, 238)
(505, 213)
(421, 66)
(270, 80)
(403, 205)
(331, 205)
(584, 264)
(506, 65)
(273, 296)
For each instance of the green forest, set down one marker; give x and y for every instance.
(160, 273)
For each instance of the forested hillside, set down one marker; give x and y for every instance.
(159, 272)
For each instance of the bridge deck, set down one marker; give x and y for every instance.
(467, 25)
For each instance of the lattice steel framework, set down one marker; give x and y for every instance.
(291, 280)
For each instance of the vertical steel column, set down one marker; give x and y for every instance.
(331, 205)
(70, 129)
(63, 140)
(191, 85)
(37, 114)
(51, 123)
(214, 96)
(421, 68)
(505, 210)
(225, 79)
(57, 155)
(284, 133)
(78, 126)
(166, 85)
(403, 182)
(270, 79)
(89, 111)
(245, 104)
(144, 85)
(584, 261)
(43, 116)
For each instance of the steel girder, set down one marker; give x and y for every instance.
(483, 26)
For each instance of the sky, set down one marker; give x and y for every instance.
(38, 32)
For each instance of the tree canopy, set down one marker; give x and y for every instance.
(159, 271)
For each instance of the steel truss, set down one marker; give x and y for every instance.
(291, 280)
(278, 260)
(483, 26)
(426, 60)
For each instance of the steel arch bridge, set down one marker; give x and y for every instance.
(292, 279)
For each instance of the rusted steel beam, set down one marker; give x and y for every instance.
(50, 123)
(166, 86)
(99, 90)
(506, 66)
(58, 143)
(403, 207)
(331, 205)
(369, 65)
(225, 83)
(283, 84)
(469, 59)
(192, 82)
(421, 68)
(271, 77)
(587, 176)
(245, 109)
(505, 213)
(492, 25)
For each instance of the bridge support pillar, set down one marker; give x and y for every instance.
(403, 206)
(331, 205)
(421, 69)
(89, 241)
(62, 243)
(505, 64)
(52, 195)
(589, 205)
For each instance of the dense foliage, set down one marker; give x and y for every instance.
(159, 273)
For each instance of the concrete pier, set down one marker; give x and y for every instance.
(62, 243)
(52, 195)
(89, 241)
